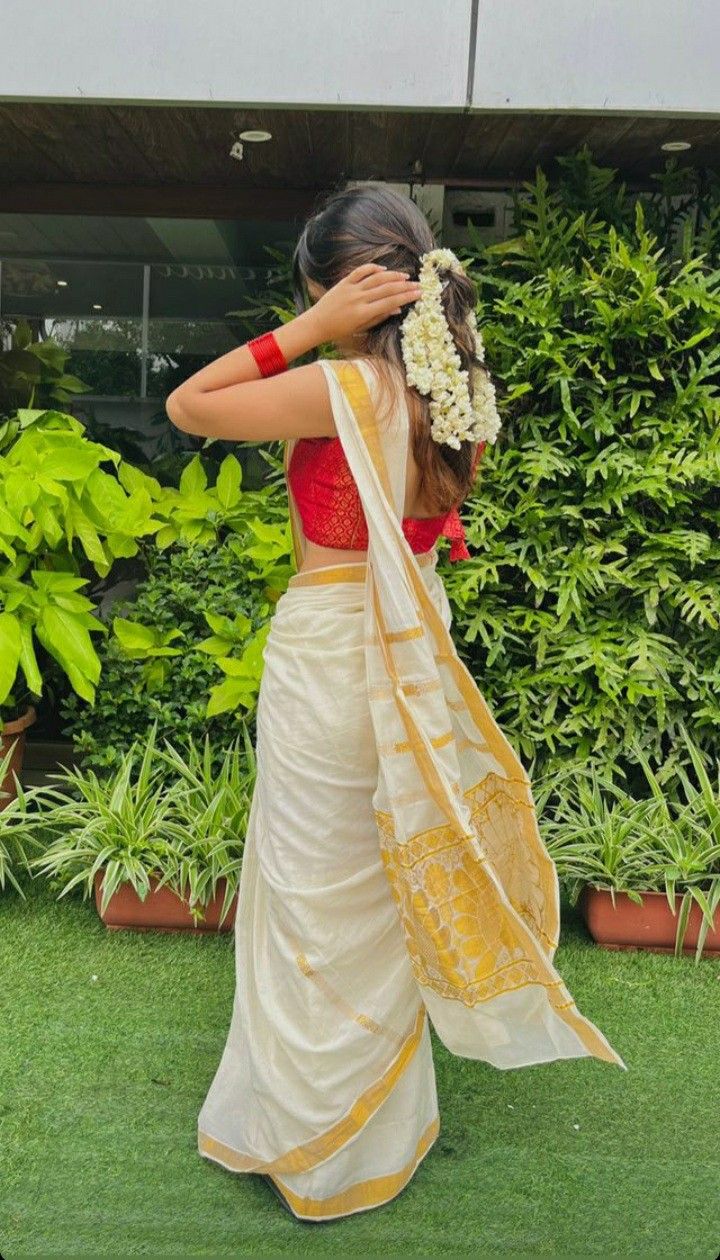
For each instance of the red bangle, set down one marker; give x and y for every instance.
(267, 354)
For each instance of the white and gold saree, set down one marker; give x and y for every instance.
(393, 869)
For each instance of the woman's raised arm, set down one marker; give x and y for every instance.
(230, 399)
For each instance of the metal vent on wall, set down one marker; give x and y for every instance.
(488, 211)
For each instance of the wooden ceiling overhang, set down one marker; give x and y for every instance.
(175, 160)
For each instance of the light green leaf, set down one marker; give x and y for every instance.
(10, 648)
(228, 695)
(70, 643)
(228, 482)
(193, 479)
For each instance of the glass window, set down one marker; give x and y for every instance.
(140, 304)
(91, 309)
(189, 321)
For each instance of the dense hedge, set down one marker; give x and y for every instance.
(590, 611)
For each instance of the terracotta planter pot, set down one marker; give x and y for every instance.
(649, 926)
(161, 911)
(14, 730)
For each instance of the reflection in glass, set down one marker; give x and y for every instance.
(134, 330)
(93, 310)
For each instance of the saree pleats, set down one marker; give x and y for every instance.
(326, 1082)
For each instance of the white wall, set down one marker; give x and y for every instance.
(275, 52)
(622, 55)
(619, 55)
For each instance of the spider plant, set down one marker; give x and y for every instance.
(136, 827)
(688, 857)
(599, 834)
(13, 855)
(596, 834)
(211, 809)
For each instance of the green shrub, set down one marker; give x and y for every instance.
(184, 587)
(67, 506)
(590, 612)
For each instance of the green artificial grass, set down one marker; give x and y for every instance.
(111, 1040)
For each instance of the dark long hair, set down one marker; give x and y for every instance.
(375, 224)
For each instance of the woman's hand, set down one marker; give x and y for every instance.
(364, 297)
(227, 399)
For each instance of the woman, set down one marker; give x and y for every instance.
(393, 868)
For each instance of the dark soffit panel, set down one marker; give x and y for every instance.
(187, 148)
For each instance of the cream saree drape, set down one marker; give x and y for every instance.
(393, 869)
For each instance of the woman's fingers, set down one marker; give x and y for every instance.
(370, 282)
(405, 290)
(364, 272)
(378, 311)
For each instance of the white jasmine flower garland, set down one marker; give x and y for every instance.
(433, 365)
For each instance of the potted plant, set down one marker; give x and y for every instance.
(158, 843)
(13, 855)
(646, 871)
(30, 372)
(654, 920)
(12, 744)
(62, 512)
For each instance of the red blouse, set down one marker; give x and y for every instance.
(329, 505)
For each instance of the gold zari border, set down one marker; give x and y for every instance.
(313, 1152)
(364, 1194)
(330, 573)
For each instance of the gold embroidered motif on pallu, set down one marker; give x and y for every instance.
(448, 911)
(475, 887)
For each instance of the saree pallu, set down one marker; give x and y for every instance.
(393, 869)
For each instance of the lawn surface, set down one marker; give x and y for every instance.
(112, 1040)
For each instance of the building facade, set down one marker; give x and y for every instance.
(151, 154)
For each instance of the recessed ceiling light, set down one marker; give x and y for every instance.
(62, 283)
(255, 136)
(676, 146)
